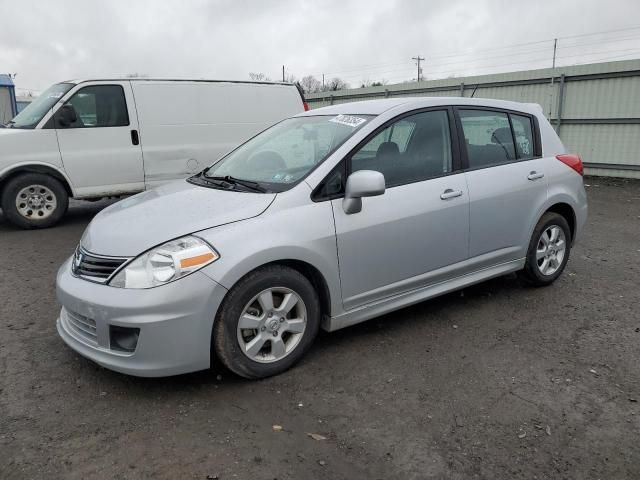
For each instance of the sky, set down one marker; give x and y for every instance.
(47, 41)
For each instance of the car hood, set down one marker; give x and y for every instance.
(138, 223)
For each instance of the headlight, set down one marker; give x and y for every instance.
(166, 263)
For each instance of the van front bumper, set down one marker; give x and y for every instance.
(172, 322)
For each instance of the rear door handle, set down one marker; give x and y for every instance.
(449, 193)
(135, 139)
(535, 175)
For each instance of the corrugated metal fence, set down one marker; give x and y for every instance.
(595, 108)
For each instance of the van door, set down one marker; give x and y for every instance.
(99, 140)
(507, 184)
(188, 125)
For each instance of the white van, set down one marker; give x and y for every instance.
(89, 139)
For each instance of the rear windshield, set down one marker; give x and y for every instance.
(288, 151)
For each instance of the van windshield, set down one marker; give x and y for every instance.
(36, 110)
(280, 156)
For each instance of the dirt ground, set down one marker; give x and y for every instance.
(497, 381)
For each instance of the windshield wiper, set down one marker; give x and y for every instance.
(232, 181)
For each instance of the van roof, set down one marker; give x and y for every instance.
(376, 107)
(158, 79)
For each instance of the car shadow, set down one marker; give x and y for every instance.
(436, 311)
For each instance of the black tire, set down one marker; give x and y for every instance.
(531, 274)
(15, 185)
(225, 332)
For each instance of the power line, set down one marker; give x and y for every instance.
(502, 64)
(506, 47)
(405, 71)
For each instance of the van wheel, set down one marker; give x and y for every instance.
(34, 200)
(267, 322)
(548, 251)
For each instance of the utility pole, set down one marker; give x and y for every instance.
(283, 73)
(553, 67)
(323, 82)
(418, 59)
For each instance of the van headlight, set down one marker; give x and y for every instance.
(165, 263)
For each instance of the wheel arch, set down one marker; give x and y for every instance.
(316, 278)
(308, 270)
(566, 211)
(42, 168)
(561, 204)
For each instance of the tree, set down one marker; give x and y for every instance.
(259, 77)
(336, 84)
(369, 83)
(310, 84)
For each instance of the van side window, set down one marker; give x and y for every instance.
(487, 137)
(523, 132)
(414, 148)
(99, 106)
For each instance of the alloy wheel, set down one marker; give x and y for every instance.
(551, 249)
(272, 324)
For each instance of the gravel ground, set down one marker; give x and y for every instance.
(497, 381)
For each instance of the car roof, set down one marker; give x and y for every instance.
(401, 104)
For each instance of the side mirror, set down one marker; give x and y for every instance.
(363, 183)
(66, 115)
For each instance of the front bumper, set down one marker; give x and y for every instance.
(175, 322)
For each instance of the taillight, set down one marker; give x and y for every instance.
(573, 161)
(306, 106)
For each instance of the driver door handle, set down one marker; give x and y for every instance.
(449, 193)
(135, 139)
(533, 175)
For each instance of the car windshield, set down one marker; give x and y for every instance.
(285, 153)
(33, 113)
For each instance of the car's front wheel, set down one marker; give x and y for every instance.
(267, 322)
(548, 251)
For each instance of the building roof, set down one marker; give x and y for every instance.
(5, 80)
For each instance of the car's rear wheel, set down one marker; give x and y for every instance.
(34, 200)
(548, 251)
(267, 322)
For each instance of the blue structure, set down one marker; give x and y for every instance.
(8, 106)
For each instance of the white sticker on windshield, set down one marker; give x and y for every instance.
(348, 120)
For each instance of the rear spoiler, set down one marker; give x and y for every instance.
(535, 106)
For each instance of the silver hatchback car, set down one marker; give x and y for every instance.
(326, 219)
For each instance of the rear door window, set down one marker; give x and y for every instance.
(488, 137)
(523, 133)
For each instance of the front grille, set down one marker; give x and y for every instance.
(94, 267)
(82, 326)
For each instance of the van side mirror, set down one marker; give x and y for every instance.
(363, 183)
(66, 115)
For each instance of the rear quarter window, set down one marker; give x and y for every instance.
(523, 133)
